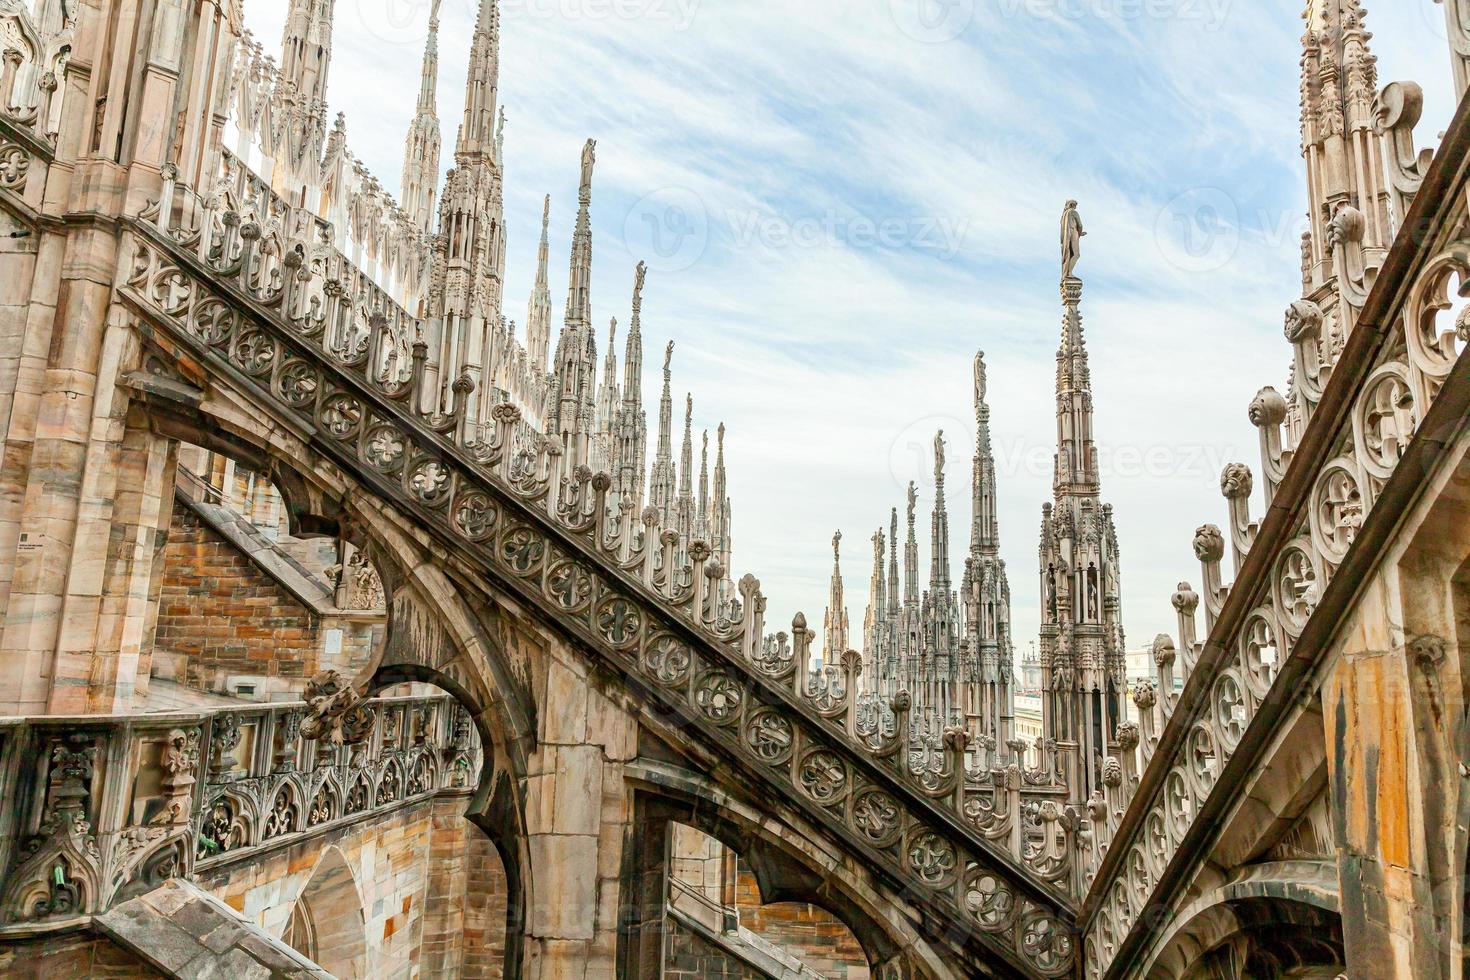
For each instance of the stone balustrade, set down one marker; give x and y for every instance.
(107, 807)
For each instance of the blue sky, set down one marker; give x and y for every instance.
(840, 201)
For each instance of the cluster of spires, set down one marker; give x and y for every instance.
(475, 359)
(953, 650)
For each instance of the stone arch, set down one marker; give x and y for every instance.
(329, 920)
(1277, 919)
(435, 633)
(716, 912)
(496, 809)
(786, 865)
(456, 651)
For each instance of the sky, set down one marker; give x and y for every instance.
(841, 201)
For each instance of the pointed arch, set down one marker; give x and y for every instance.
(328, 923)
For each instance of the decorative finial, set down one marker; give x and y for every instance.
(837, 547)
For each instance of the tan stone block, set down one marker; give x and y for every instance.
(578, 808)
(564, 903)
(564, 712)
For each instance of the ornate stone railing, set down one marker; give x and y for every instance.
(262, 319)
(24, 158)
(1368, 393)
(284, 126)
(100, 808)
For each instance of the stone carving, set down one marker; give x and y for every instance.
(336, 712)
(180, 762)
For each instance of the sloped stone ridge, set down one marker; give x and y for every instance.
(188, 933)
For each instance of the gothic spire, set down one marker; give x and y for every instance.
(721, 487)
(911, 552)
(835, 620)
(939, 529)
(877, 586)
(429, 72)
(538, 315)
(1076, 459)
(984, 527)
(579, 281)
(701, 523)
(661, 491)
(686, 456)
(609, 400)
(630, 433)
(893, 563)
(477, 132)
(633, 355)
(306, 50)
(422, 148)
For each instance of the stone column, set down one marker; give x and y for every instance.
(84, 486)
(577, 813)
(1394, 710)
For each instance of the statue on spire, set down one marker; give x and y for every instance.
(979, 380)
(939, 457)
(1071, 239)
(668, 356)
(837, 547)
(589, 157)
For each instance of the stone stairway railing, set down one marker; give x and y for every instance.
(1331, 500)
(103, 808)
(293, 327)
